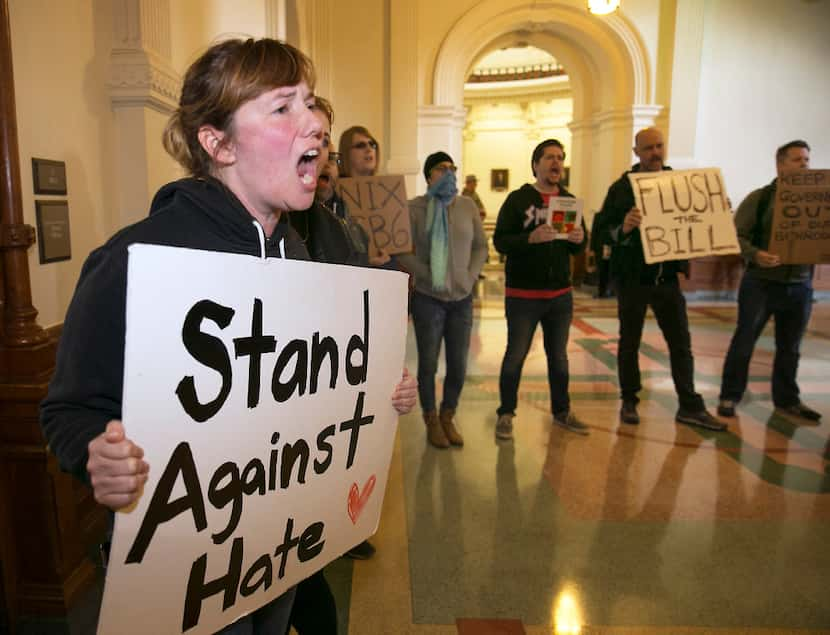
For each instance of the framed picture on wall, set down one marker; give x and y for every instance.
(53, 231)
(499, 180)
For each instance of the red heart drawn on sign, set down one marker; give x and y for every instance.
(358, 499)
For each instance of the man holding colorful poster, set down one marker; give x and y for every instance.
(640, 285)
(769, 288)
(538, 283)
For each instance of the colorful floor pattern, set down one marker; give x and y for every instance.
(656, 528)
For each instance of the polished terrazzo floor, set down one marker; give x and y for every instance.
(650, 529)
(656, 528)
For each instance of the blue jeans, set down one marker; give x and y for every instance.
(434, 321)
(266, 620)
(791, 304)
(522, 317)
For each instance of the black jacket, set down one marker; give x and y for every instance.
(628, 264)
(330, 238)
(86, 389)
(532, 266)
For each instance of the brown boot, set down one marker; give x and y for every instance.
(435, 433)
(451, 432)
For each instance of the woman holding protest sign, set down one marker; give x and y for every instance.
(246, 131)
(360, 157)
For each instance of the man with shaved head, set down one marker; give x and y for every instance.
(640, 286)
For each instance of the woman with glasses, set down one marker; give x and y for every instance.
(359, 152)
(360, 156)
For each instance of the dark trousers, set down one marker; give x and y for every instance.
(314, 611)
(791, 304)
(669, 306)
(266, 620)
(604, 287)
(436, 321)
(522, 317)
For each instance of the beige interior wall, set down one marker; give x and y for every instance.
(763, 83)
(59, 52)
(195, 24)
(356, 45)
(435, 19)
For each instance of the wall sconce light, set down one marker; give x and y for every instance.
(603, 7)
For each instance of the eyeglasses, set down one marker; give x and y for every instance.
(335, 158)
(362, 145)
(444, 168)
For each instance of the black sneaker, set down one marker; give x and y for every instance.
(569, 421)
(800, 410)
(363, 551)
(701, 418)
(726, 408)
(628, 413)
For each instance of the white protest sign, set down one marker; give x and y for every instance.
(564, 215)
(685, 214)
(260, 392)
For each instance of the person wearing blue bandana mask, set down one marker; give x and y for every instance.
(450, 249)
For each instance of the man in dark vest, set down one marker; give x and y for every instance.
(769, 288)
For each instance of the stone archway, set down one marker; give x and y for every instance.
(606, 61)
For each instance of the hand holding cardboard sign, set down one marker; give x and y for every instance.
(542, 234)
(115, 467)
(632, 220)
(766, 259)
(379, 259)
(576, 235)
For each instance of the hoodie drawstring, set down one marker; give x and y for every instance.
(261, 239)
(282, 248)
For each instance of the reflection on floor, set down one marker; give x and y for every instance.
(650, 529)
(656, 528)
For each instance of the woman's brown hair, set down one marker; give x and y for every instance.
(226, 76)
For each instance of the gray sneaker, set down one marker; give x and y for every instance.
(504, 427)
(569, 421)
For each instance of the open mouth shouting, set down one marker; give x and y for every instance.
(307, 168)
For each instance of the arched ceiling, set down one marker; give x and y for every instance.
(604, 57)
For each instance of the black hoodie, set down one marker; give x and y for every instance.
(86, 390)
(537, 266)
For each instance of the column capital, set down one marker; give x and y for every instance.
(141, 74)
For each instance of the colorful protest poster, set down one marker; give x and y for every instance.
(801, 218)
(686, 214)
(564, 215)
(260, 391)
(380, 205)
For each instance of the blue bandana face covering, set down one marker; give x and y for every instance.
(439, 195)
